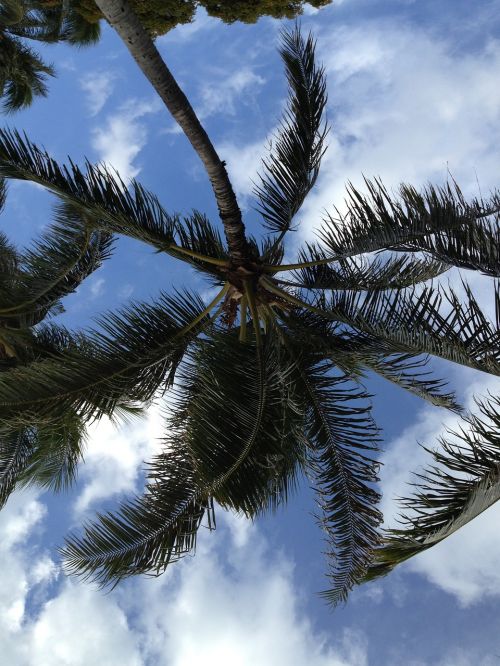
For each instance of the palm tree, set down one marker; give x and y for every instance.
(267, 377)
(23, 73)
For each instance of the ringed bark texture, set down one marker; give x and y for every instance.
(146, 55)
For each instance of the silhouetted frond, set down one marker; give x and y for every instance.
(430, 321)
(438, 221)
(134, 212)
(341, 439)
(126, 360)
(366, 273)
(293, 165)
(147, 533)
(464, 482)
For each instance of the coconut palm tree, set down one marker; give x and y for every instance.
(23, 74)
(266, 377)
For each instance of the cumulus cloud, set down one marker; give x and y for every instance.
(98, 87)
(22, 514)
(114, 457)
(123, 136)
(217, 608)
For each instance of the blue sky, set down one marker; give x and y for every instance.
(413, 95)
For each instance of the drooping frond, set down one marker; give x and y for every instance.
(11, 12)
(53, 22)
(342, 438)
(429, 321)
(125, 361)
(464, 482)
(146, 534)
(23, 74)
(241, 448)
(438, 221)
(134, 212)
(242, 420)
(16, 447)
(293, 165)
(54, 460)
(53, 267)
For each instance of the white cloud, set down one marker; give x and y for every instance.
(122, 137)
(222, 91)
(81, 627)
(21, 515)
(243, 164)
(216, 608)
(222, 610)
(97, 287)
(114, 457)
(405, 105)
(465, 564)
(98, 86)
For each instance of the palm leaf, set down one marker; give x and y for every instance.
(341, 438)
(417, 321)
(23, 75)
(54, 461)
(52, 268)
(16, 447)
(293, 165)
(438, 221)
(464, 482)
(366, 274)
(355, 354)
(125, 361)
(98, 193)
(146, 534)
(250, 467)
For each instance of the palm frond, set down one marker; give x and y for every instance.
(52, 268)
(293, 165)
(438, 221)
(341, 438)
(464, 482)
(198, 235)
(16, 448)
(54, 460)
(146, 534)
(356, 354)
(242, 421)
(102, 195)
(249, 467)
(366, 274)
(124, 361)
(23, 75)
(418, 322)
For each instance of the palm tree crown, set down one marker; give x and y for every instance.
(266, 377)
(23, 73)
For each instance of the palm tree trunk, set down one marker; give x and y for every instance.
(146, 55)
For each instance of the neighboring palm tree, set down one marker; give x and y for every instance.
(23, 74)
(267, 376)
